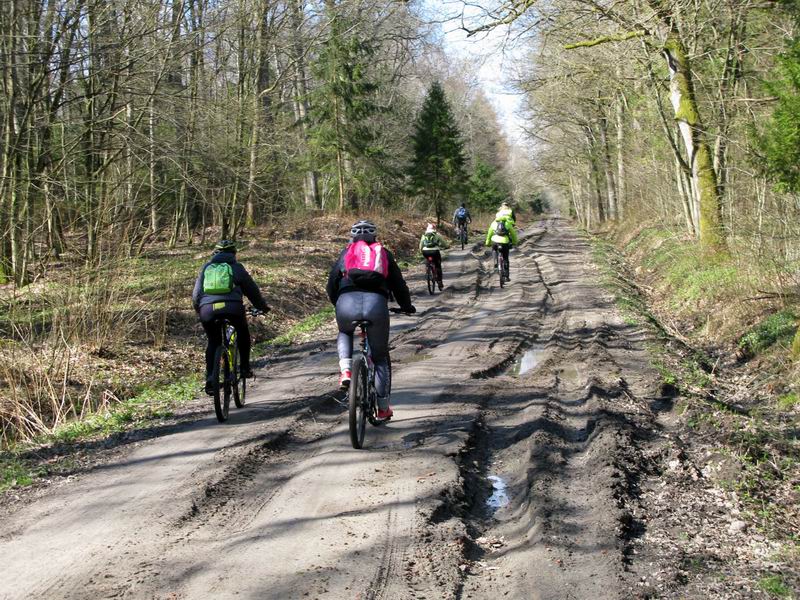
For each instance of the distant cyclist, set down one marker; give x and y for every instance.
(461, 216)
(219, 292)
(505, 211)
(431, 244)
(358, 286)
(501, 236)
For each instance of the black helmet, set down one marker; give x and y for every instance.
(225, 246)
(364, 229)
(463, 205)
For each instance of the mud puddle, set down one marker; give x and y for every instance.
(531, 359)
(499, 498)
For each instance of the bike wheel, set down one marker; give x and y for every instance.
(359, 402)
(463, 238)
(501, 268)
(431, 279)
(222, 386)
(239, 382)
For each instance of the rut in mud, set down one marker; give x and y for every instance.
(523, 423)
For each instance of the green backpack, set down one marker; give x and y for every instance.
(218, 279)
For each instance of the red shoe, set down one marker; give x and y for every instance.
(385, 415)
(344, 379)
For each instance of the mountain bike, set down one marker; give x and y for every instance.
(227, 378)
(502, 267)
(430, 274)
(462, 234)
(362, 398)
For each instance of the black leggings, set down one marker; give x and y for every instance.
(503, 248)
(437, 262)
(234, 312)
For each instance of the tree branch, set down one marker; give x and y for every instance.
(621, 37)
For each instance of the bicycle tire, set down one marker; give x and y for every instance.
(358, 402)
(239, 382)
(431, 279)
(463, 236)
(221, 385)
(501, 268)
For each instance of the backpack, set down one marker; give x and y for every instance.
(461, 213)
(366, 265)
(218, 279)
(502, 228)
(429, 241)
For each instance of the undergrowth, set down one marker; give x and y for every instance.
(149, 406)
(754, 424)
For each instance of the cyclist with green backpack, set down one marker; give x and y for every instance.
(501, 236)
(219, 291)
(431, 245)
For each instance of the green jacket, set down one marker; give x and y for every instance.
(493, 238)
(432, 241)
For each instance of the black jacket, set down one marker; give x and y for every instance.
(243, 285)
(338, 284)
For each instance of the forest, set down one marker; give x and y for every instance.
(631, 395)
(138, 131)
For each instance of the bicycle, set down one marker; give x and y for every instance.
(362, 397)
(462, 234)
(502, 267)
(430, 274)
(227, 378)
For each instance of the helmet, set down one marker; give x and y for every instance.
(363, 228)
(504, 204)
(225, 246)
(463, 205)
(431, 228)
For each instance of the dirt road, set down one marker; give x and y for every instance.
(509, 470)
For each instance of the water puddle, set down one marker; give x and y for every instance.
(528, 361)
(571, 376)
(499, 497)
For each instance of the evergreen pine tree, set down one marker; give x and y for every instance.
(780, 144)
(341, 132)
(486, 188)
(437, 170)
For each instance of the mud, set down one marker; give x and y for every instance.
(540, 385)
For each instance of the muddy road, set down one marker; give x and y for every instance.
(509, 470)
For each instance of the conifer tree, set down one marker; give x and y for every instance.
(437, 171)
(780, 143)
(486, 188)
(341, 130)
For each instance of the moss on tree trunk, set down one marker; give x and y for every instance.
(687, 115)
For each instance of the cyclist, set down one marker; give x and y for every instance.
(359, 285)
(219, 292)
(461, 217)
(432, 244)
(501, 236)
(505, 211)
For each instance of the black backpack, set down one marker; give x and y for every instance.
(501, 228)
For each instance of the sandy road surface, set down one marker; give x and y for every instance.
(540, 385)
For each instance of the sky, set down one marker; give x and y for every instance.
(494, 53)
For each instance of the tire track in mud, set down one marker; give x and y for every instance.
(566, 438)
(407, 517)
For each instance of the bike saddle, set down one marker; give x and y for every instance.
(364, 323)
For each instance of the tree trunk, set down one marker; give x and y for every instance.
(310, 181)
(607, 171)
(687, 115)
